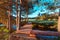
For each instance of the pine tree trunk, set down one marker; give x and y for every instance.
(27, 17)
(18, 18)
(17, 25)
(9, 20)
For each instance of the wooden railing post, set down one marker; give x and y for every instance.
(59, 21)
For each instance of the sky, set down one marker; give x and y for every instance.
(41, 8)
(35, 14)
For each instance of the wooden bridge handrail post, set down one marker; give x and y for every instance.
(59, 21)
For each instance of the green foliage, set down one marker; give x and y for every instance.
(45, 24)
(51, 7)
(59, 38)
(4, 33)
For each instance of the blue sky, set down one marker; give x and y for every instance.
(41, 8)
(35, 14)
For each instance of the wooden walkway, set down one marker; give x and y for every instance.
(27, 33)
(32, 36)
(28, 29)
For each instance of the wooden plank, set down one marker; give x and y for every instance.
(46, 33)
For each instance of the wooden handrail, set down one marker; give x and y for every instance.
(46, 33)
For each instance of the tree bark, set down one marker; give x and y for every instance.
(18, 18)
(27, 17)
(9, 20)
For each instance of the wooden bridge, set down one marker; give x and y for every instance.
(4, 18)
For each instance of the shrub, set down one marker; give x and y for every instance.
(4, 33)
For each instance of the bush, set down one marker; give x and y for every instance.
(45, 25)
(4, 33)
